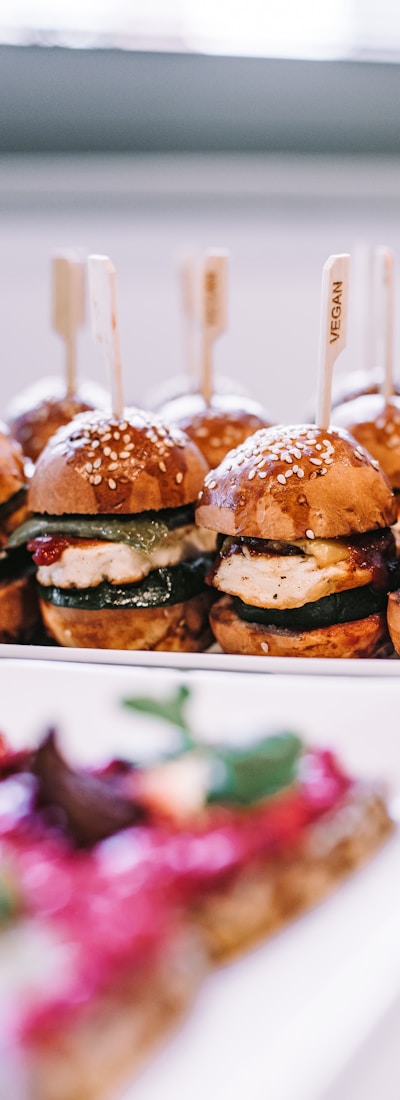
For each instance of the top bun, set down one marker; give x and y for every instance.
(375, 423)
(218, 426)
(296, 482)
(102, 464)
(40, 410)
(12, 471)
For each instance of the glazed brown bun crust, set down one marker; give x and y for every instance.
(182, 627)
(106, 465)
(367, 637)
(12, 473)
(294, 483)
(375, 424)
(38, 413)
(216, 427)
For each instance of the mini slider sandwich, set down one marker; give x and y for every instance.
(307, 556)
(121, 563)
(19, 612)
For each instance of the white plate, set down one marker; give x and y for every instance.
(212, 661)
(284, 1021)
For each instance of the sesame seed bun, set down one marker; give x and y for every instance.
(294, 483)
(12, 472)
(104, 465)
(375, 424)
(216, 427)
(182, 627)
(35, 415)
(367, 637)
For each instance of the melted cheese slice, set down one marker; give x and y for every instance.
(284, 581)
(88, 565)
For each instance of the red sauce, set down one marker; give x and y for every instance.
(47, 549)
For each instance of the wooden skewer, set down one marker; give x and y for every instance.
(103, 307)
(69, 307)
(213, 313)
(384, 284)
(187, 276)
(333, 329)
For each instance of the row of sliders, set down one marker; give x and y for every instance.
(284, 548)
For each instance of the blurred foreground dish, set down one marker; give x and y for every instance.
(119, 884)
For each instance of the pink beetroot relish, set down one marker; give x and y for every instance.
(119, 902)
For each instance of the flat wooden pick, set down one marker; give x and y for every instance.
(103, 309)
(214, 313)
(384, 294)
(333, 329)
(68, 274)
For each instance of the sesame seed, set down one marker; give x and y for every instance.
(88, 467)
(251, 474)
(124, 454)
(113, 466)
(281, 478)
(106, 437)
(323, 470)
(179, 477)
(126, 439)
(111, 483)
(295, 468)
(310, 533)
(265, 647)
(116, 435)
(316, 461)
(262, 473)
(318, 446)
(97, 479)
(113, 455)
(162, 467)
(288, 473)
(296, 452)
(96, 443)
(123, 426)
(106, 451)
(328, 461)
(300, 472)
(211, 484)
(97, 463)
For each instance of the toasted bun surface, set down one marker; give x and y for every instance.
(12, 474)
(180, 627)
(19, 609)
(296, 482)
(105, 465)
(219, 426)
(364, 638)
(375, 424)
(36, 414)
(393, 619)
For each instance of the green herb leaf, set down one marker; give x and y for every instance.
(171, 710)
(248, 775)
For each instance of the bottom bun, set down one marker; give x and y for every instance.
(19, 610)
(263, 898)
(393, 619)
(178, 627)
(364, 638)
(87, 1060)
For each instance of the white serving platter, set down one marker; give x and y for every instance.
(212, 661)
(288, 1019)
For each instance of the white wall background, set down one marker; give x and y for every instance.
(279, 218)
